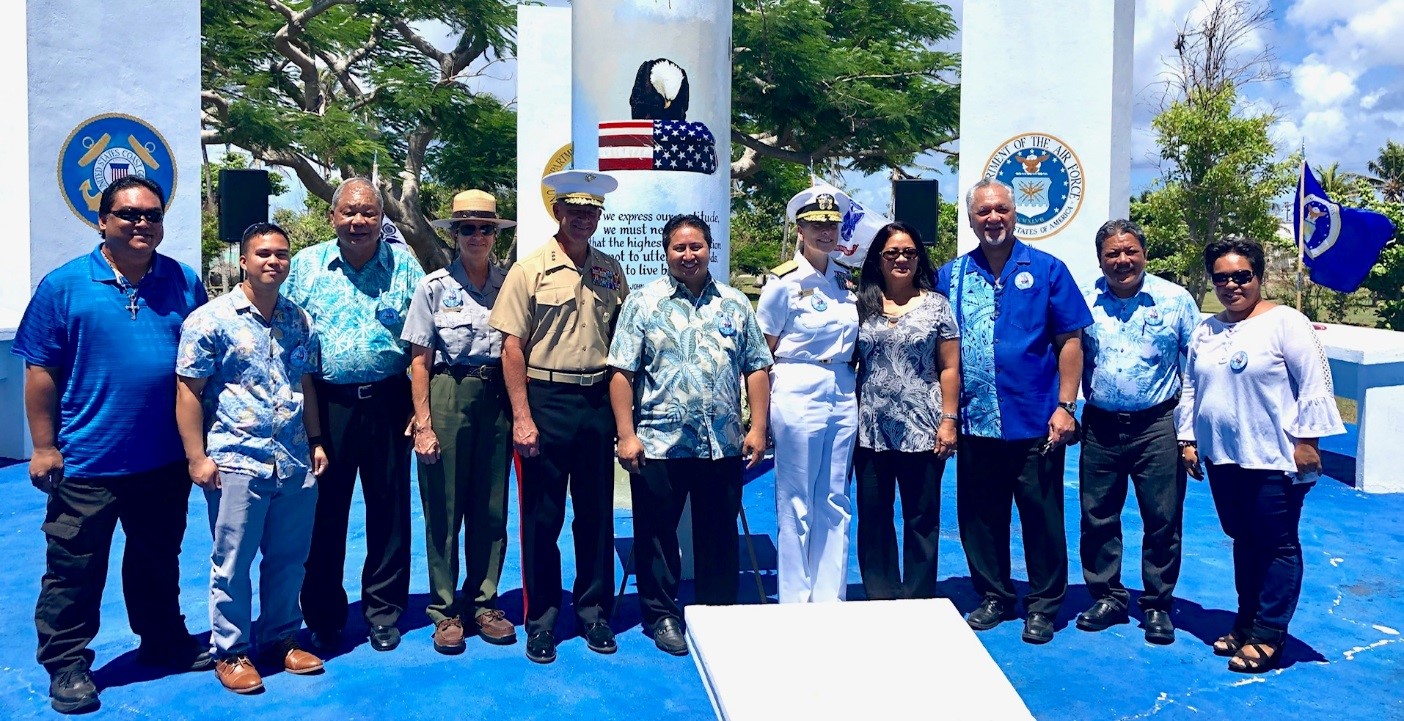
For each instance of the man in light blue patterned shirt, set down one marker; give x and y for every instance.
(681, 348)
(357, 289)
(245, 366)
(1134, 355)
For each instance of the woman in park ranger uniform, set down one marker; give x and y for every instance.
(810, 320)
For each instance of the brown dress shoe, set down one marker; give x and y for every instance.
(238, 674)
(295, 659)
(494, 628)
(448, 636)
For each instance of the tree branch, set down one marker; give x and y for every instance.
(766, 145)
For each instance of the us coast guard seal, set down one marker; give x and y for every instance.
(1047, 180)
(104, 148)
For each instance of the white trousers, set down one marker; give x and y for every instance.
(814, 420)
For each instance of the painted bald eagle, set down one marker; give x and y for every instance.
(660, 91)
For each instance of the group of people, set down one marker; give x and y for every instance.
(347, 361)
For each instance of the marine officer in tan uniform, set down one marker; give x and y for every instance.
(557, 310)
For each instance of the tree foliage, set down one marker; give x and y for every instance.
(841, 84)
(1387, 172)
(330, 88)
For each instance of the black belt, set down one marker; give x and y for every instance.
(1151, 413)
(356, 392)
(460, 371)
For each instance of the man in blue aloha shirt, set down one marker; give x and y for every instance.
(245, 367)
(1134, 355)
(682, 346)
(357, 288)
(1021, 318)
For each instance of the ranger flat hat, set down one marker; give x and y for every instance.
(473, 205)
(819, 204)
(580, 187)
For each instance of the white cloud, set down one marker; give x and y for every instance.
(1311, 13)
(1320, 85)
(1368, 102)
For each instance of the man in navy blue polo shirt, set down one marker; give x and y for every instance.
(1021, 317)
(99, 339)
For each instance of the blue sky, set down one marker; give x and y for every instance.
(1342, 97)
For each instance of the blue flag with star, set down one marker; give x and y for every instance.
(1339, 245)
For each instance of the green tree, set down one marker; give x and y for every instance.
(331, 88)
(841, 84)
(1388, 172)
(212, 247)
(1386, 279)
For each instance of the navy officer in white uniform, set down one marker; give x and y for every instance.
(809, 316)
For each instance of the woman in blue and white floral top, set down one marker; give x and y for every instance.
(908, 390)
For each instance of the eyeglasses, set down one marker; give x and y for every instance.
(470, 228)
(132, 215)
(1239, 277)
(904, 253)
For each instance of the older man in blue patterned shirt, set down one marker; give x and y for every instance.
(357, 289)
(245, 366)
(1134, 355)
(681, 348)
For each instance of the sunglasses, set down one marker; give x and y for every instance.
(1239, 277)
(132, 215)
(904, 253)
(471, 228)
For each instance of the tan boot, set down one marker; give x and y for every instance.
(294, 658)
(448, 636)
(494, 628)
(238, 674)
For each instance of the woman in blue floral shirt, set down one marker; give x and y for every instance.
(908, 390)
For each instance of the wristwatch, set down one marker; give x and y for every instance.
(1070, 407)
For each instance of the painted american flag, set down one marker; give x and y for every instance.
(657, 145)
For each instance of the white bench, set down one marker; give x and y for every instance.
(1367, 366)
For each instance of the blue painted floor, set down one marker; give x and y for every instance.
(1345, 660)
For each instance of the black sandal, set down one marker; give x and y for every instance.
(1269, 657)
(1229, 643)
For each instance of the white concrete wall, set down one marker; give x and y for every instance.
(543, 117)
(1055, 81)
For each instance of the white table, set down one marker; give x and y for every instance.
(854, 660)
(1367, 366)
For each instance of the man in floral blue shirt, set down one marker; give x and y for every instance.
(357, 288)
(245, 366)
(682, 346)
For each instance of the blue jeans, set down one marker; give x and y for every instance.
(1260, 511)
(248, 515)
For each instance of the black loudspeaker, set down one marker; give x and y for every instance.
(917, 203)
(243, 201)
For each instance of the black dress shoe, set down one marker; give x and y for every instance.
(1159, 629)
(1103, 615)
(73, 692)
(1038, 629)
(327, 642)
(990, 613)
(384, 638)
(541, 647)
(668, 636)
(180, 653)
(600, 638)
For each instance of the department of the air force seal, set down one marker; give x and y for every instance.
(1047, 180)
(106, 147)
(1321, 224)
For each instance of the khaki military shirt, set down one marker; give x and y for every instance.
(450, 315)
(564, 315)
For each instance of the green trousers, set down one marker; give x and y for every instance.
(466, 489)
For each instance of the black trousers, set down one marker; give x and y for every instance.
(365, 437)
(990, 473)
(1261, 511)
(81, 518)
(1141, 447)
(576, 428)
(918, 476)
(659, 492)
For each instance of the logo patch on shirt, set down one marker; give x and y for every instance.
(453, 299)
(299, 356)
(818, 303)
(604, 277)
(387, 316)
(726, 328)
(1238, 362)
(1024, 280)
(1153, 317)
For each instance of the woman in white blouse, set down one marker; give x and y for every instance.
(1256, 398)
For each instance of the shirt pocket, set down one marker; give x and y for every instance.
(1027, 309)
(455, 333)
